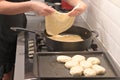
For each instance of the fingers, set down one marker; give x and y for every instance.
(49, 10)
(75, 12)
(42, 9)
(46, 11)
(78, 10)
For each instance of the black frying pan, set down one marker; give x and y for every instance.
(54, 45)
(87, 35)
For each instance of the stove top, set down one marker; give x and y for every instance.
(36, 44)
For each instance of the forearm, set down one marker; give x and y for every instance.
(79, 7)
(10, 8)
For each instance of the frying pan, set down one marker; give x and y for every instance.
(86, 35)
(53, 45)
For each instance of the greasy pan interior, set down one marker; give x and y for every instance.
(46, 66)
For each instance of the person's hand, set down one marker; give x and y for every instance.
(41, 8)
(78, 9)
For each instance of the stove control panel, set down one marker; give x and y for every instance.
(31, 48)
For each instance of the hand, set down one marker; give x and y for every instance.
(41, 8)
(79, 9)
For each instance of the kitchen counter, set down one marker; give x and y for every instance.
(20, 66)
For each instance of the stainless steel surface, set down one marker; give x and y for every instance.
(19, 65)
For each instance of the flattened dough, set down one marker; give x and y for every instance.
(93, 60)
(58, 22)
(67, 38)
(63, 58)
(76, 71)
(71, 64)
(78, 58)
(85, 64)
(89, 72)
(99, 69)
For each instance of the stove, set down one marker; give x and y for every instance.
(35, 44)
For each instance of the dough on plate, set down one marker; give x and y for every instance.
(63, 58)
(71, 64)
(76, 71)
(93, 60)
(85, 64)
(99, 69)
(89, 72)
(58, 22)
(78, 58)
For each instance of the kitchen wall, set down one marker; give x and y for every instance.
(104, 17)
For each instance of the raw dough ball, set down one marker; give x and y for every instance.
(89, 72)
(63, 58)
(71, 64)
(99, 69)
(76, 71)
(93, 60)
(78, 58)
(85, 64)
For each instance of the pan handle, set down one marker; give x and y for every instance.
(96, 33)
(94, 45)
(24, 29)
(21, 29)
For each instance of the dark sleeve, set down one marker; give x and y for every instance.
(9, 21)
